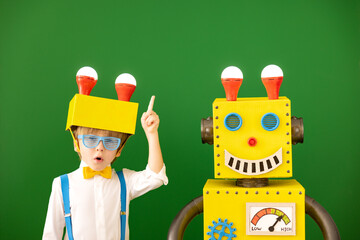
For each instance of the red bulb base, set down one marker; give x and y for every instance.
(85, 84)
(231, 86)
(124, 91)
(272, 85)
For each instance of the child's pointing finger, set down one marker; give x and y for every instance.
(151, 104)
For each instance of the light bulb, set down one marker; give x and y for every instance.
(272, 77)
(125, 85)
(231, 79)
(86, 79)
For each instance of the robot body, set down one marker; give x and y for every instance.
(253, 211)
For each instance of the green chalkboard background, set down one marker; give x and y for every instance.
(176, 50)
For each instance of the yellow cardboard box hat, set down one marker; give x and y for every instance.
(102, 113)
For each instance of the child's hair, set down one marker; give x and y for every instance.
(84, 130)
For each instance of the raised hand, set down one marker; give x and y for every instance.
(150, 120)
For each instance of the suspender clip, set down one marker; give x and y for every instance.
(122, 213)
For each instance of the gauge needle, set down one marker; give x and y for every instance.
(278, 219)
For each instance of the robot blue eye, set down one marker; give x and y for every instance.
(270, 121)
(233, 121)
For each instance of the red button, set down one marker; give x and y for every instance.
(252, 142)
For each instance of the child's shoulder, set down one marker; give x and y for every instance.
(76, 172)
(132, 175)
(127, 171)
(73, 174)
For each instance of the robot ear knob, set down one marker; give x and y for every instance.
(297, 130)
(207, 135)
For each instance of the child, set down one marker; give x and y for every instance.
(94, 188)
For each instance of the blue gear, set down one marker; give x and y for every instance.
(222, 232)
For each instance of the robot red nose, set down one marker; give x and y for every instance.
(252, 142)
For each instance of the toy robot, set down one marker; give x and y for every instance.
(252, 140)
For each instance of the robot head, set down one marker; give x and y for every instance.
(252, 136)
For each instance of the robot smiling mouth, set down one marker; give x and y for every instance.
(253, 167)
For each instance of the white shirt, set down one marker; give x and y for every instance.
(95, 203)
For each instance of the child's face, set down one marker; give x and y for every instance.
(99, 157)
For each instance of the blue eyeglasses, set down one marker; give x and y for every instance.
(91, 141)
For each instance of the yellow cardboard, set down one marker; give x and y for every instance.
(102, 113)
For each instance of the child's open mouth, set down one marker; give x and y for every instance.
(98, 159)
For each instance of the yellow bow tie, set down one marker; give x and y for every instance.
(89, 173)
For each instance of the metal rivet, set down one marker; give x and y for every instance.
(236, 192)
(217, 136)
(287, 124)
(217, 192)
(289, 193)
(218, 174)
(207, 192)
(300, 192)
(287, 114)
(216, 117)
(246, 192)
(218, 155)
(288, 171)
(256, 192)
(287, 133)
(287, 152)
(288, 143)
(217, 127)
(287, 104)
(218, 164)
(227, 192)
(287, 161)
(277, 193)
(267, 192)
(216, 107)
